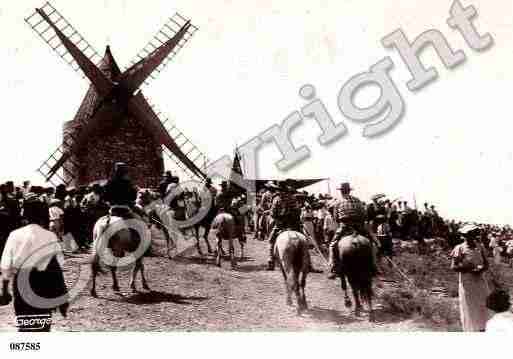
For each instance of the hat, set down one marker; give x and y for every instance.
(54, 202)
(271, 185)
(378, 196)
(283, 184)
(345, 186)
(31, 197)
(467, 228)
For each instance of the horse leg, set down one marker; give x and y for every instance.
(219, 249)
(287, 288)
(297, 291)
(169, 241)
(371, 312)
(115, 285)
(143, 277)
(198, 246)
(232, 253)
(205, 236)
(241, 242)
(343, 285)
(357, 303)
(95, 267)
(302, 284)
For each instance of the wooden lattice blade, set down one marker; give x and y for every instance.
(135, 76)
(99, 80)
(165, 34)
(46, 32)
(140, 108)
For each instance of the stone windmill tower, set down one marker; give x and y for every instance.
(115, 122)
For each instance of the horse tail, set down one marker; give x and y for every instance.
(357, 264)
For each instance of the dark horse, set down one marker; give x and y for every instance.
(356, 262)
(193, 207)
(121, 237)
(291, 252)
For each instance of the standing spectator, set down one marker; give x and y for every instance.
(384, 235)
(319, 220)
(469, 260)
(56, 218)
(307, 217)
(330, 225)
(496, 248)
(26, 188)
(74, 220)
(43, 269)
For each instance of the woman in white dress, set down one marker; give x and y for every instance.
(469, 260)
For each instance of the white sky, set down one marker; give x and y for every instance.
(241, 74)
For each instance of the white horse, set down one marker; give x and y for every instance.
(291, 251)
(122, 237)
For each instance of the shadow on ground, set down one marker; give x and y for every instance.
(332, 316)
(153, 297)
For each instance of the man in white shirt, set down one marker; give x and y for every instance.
(34, 253)
(56, 218)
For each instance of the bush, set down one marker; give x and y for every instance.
(410, 302)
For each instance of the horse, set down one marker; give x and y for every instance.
(225, 228)
(264, 226)
(356, 262)
(120, 241)
(291, 252)
(193, 206)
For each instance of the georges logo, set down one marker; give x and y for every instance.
(33, 322)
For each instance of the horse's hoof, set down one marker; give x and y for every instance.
(371, 317)
(94, 294)
(348, 303)
(146, 287)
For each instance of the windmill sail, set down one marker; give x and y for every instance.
(170, 29)
(37, 22)
(140, 107)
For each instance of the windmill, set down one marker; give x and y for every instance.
(115, 122)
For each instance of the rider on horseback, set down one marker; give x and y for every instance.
(264, 206)
(120, 192)
(349, 213)
(286, 214)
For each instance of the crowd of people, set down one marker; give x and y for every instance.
(74, 211)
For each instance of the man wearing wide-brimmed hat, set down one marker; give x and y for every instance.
(120, 192)
(349, 214)
(286, 214)
(166, 181)
(264, 205)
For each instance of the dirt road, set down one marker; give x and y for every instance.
(189, 293)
